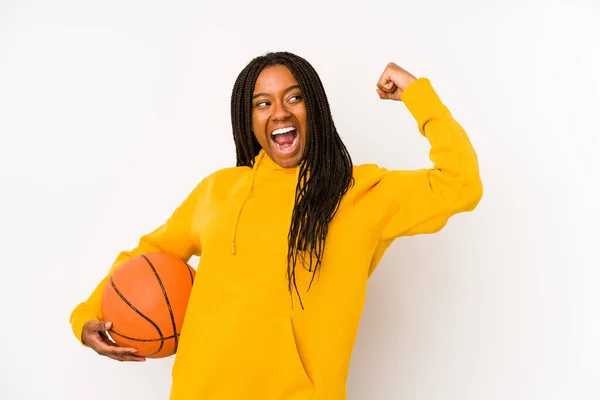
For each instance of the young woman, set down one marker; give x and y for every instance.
(288, 238)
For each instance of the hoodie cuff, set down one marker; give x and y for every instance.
(422, 102)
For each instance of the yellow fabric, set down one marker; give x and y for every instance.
(243, 338)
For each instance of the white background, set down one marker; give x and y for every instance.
(111, 112)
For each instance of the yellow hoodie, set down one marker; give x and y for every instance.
(242, 338)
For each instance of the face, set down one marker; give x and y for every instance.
(279, 116)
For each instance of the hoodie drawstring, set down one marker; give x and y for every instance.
(237, 219)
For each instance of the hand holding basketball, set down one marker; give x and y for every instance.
(95, 337)
(393, 81)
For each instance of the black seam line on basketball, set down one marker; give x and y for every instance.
(166, 299)
(140, 340)
(112, 282)
(190, 271)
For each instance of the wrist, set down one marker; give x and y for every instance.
(408, 81)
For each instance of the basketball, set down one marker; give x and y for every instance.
(145, 298)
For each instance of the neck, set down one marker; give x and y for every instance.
(264, 160)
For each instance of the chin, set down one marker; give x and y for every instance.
(290, 161)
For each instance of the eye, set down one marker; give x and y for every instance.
(261, 104)
(296, 98)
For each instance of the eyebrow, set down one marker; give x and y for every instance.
(286, 90)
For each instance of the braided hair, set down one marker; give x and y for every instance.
(325, 169)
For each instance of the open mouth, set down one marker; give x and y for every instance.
(285, 139)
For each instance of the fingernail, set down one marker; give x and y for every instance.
(107, 325)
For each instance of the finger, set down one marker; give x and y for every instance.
(104, 337)
(113, 350)
(102, 345)
(126, 357)
(124, 354)
(384, 82)
(113, 345)
(104, 326)
(383, 95)
(133, 358)
(96, 326)
(386, 86)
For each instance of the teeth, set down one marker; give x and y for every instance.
(283, 130)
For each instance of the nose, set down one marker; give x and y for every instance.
(280, 112)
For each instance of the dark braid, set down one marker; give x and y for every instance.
(325, 170)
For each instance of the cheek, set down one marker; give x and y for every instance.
(260, 139)
(258, 127)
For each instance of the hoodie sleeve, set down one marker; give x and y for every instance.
(173, 237)
(421, 201)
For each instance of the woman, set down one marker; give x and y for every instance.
(288, 238)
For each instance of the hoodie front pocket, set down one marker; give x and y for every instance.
(239, 357)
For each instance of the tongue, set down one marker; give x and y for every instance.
(285, 139)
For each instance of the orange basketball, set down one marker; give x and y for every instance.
(145, 298)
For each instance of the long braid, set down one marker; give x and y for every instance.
(325, 170)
